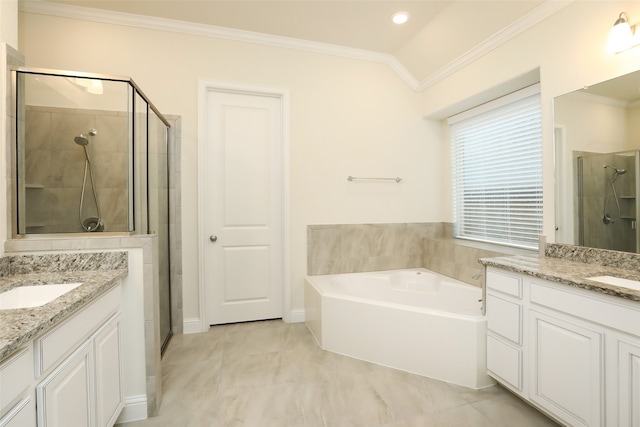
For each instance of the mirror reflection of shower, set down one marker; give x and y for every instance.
(89, 223)
(611, 188)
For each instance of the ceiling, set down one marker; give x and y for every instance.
(624, 88)
(360, 24)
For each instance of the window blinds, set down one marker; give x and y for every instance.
(497, 170)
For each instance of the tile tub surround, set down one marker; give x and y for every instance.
(458, 259)
(353, 248)
(569, 272)
(19, 326)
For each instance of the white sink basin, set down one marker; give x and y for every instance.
(34, 296)
(617, 281)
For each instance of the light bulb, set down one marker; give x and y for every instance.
(620, 37)
(400, 17)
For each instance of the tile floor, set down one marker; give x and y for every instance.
(272, 374)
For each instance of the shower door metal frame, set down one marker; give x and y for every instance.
(15, 126)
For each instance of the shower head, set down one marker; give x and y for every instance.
(82, 139)
(616, 170)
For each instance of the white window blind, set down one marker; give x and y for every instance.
(497, 170)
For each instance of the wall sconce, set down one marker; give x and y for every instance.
(622, 35)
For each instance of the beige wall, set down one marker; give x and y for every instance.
(569, 50)
(348, 117)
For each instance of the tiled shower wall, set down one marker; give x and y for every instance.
(352, 248)
(55, 168)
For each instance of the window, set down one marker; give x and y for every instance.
(497, 170)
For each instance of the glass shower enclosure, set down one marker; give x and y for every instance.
(607, 204)
(91, 157)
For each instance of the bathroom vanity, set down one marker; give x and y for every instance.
(565, 342)
(61, 362)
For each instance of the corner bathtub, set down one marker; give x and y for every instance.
(414, 320)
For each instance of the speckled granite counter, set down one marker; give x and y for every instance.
(19, 326)
(567, 272)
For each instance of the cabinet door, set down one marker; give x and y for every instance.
(504, 361)
(108, 354)
(567, 369)
(65, 396)
(21, 415)
(629, 384)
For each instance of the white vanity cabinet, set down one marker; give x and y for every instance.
(80, 363)
(578, 358)
(71, 376)
(505, 329)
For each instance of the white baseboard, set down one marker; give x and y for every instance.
(192, 325)
(296, 316)
(135, 409)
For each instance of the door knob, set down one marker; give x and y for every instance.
(213, 238)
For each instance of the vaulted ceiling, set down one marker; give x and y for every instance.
(437, 33)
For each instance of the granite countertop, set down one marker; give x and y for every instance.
(19, 326)
(572, 273)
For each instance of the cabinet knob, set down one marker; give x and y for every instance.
(213, 238)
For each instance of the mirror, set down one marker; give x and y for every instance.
(597, 159)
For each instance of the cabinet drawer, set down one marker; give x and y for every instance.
(52, 347)
(504, 282)
(16, 375)
(504, 361)
(504, 318)
(608, 313)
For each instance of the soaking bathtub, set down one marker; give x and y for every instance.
(414, 320)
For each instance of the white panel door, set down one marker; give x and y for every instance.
(243, 207)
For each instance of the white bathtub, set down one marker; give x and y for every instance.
(414, 320)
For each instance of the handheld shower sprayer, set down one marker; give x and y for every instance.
(611, 188)
(616, 170)
(90, 223)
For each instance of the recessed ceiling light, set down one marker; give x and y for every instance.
(400, 17)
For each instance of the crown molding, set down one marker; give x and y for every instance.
(212, 31)
(516, 28)
(532, 18)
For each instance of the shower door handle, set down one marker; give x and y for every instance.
(213, 238)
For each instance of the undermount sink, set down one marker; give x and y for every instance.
(617, 281)
(34, 296)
